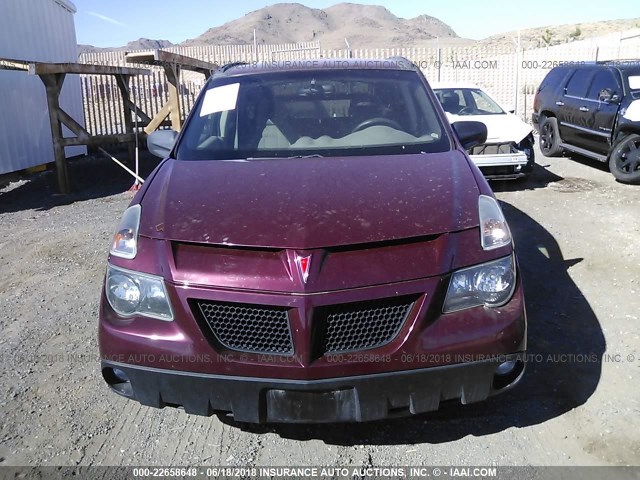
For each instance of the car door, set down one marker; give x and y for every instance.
(571, 120)
(602, 110)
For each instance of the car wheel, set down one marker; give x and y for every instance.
(550, 138)
(624, 159)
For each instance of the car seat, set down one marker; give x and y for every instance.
(451, 102)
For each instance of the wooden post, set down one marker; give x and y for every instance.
(123, 85)
(172, 73)
(53, 85)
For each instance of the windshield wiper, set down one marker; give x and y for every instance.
(314, 155)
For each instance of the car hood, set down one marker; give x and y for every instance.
(500, 128)
(310, 203)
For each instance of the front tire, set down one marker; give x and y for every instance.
(550, 138)
(624, 159)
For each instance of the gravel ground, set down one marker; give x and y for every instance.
(576, 232)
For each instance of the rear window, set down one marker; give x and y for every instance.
(553, 78)
(305, 113)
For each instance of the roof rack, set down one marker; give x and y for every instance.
(621, 61)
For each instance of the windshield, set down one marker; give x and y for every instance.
(467, 101)
(313, 113)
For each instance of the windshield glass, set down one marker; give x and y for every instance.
(467, 101)
(305, 113)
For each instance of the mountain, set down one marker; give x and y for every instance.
(140, 44)
(364, 26)
(556, 34)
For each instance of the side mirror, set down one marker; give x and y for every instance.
(607, 95)
(470, 134)
(507, 108)
(161, 142)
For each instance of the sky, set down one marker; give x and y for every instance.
(111, 23)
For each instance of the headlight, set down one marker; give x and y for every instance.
(125, 240)
(494, 231)
(131, 293)
(491, 284)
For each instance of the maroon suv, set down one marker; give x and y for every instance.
(316, 246)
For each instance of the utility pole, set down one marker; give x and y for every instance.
(255, 46)
(517, 92)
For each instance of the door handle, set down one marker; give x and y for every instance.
(584, 109)
(560, 104)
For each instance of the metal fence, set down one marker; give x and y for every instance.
(511, 74)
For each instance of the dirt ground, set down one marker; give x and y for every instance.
(577, 234)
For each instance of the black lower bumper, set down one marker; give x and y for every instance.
(507, 172)
(345, 399)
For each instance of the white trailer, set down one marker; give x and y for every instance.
(40, 31)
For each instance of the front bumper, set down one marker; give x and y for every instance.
(502, 165)
(347, 399)
(432, 357)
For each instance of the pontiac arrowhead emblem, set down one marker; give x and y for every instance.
(303, 264)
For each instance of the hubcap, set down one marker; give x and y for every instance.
(628, 156)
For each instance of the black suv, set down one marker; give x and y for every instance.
(593, 110)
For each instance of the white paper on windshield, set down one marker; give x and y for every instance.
(634, 82)
(220, 99)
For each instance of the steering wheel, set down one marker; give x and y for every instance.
(467, 111)
(370, 122)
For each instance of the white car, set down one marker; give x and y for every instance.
(508, 151)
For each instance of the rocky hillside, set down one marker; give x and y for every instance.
(140, 44)
(556, 34)
(364, 26)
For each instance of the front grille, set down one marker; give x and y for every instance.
(363, 325)
(494, 149)
(251, 328)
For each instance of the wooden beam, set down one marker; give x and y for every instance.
(172, 73)
(158, 119)
(12, 64)
(144, 118)
(123, 85)
(164, 58)
(172, 107)
(98, 139)
(53, 85)
(72, 125)
(39, 68)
